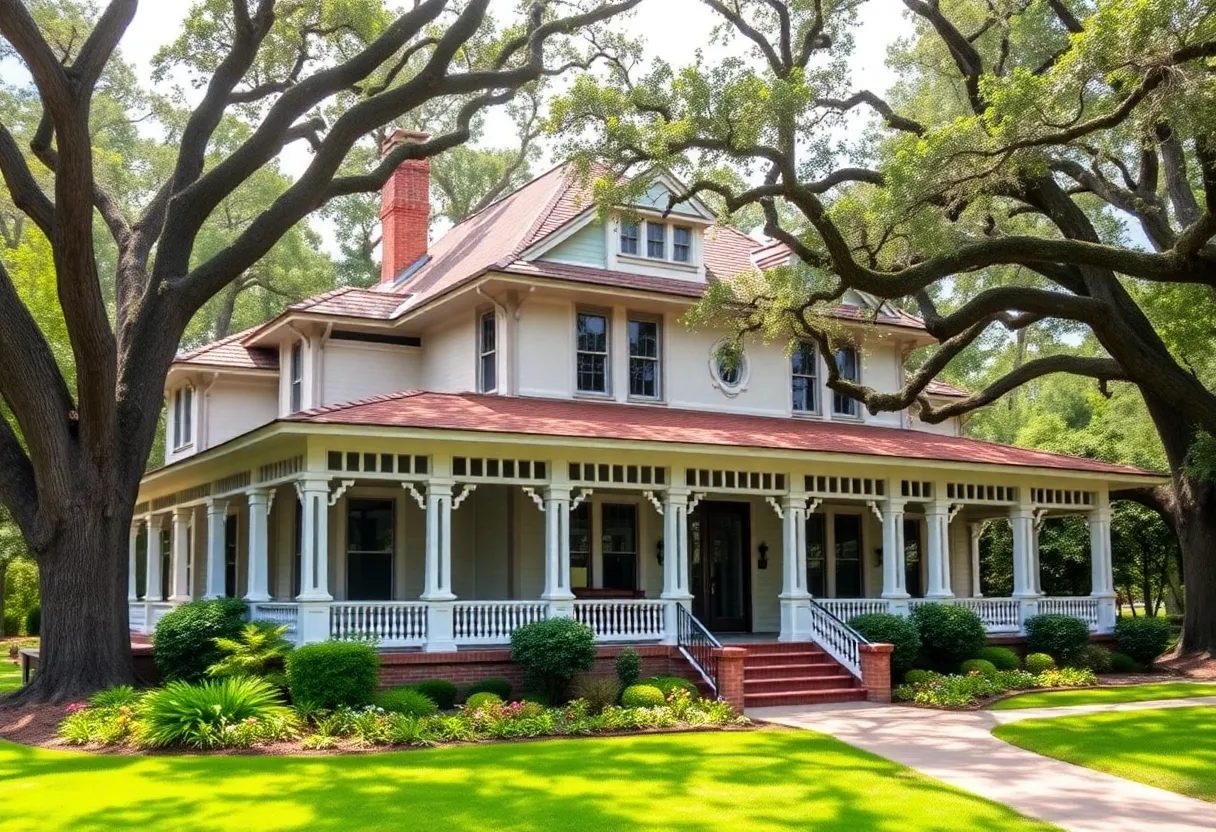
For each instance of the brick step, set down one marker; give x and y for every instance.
(779, 671)
(811, 697)
(792, 684)
(769, 649)
(771, 659)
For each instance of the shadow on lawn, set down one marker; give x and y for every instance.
(756, 781)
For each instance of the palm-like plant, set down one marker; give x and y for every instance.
(259, 651)
(213, 714)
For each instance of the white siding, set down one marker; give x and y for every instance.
(449, 360)
(766, 583)
(353, 370)
(546, 349)
(235, 406)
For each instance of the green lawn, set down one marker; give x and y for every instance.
(10, 676)
(1171, 748)
(1104, 696)
(760, 780)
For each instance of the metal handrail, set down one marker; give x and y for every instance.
(697, 644)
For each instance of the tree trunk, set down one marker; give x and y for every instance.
(3, 588)
(85, 636)
(1195, 520)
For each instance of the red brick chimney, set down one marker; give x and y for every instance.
(405, 209)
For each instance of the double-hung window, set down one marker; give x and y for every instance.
(297, 377)
(591, 346)
(681, 244)
(183, 417)
(629, 237)
(850, 368)
(656, 240)
(644, 359)
(487, 354)
(804, 379)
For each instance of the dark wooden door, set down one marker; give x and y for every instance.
(719, 544)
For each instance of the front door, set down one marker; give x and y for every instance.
(719, 548)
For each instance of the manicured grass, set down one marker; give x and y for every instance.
(1105, 696)
(10, 676)
(1171, 748)
(758, 781)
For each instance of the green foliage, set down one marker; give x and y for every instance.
(1143, 639)
(642, 696)
(440, 691)
(1094, 657)
(333, 673)
(101, 725)
(260, 650)
(1066, 677)
(33, 621)
(552, 652)
(1122, 663)
(118, 697)
(479, 700)
(1001, 657)
(949, 634)
(218, 713)
(628, 666)
(1036, 663)
(918, 676)
(599, 692)
(670, 684)
(897, 630)
(406, 701)
(1060, 636)
(981, 666)
(496, 685)
(184, 640)
(955, 691)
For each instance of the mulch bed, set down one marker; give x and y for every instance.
(1200, 668)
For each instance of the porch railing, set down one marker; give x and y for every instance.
(284, 613)
(839, 640)
(846, 608)
(156, 611)
(137, 616)
(1085, 609)
(1000, 615)
(632, 620)
(697, 644)
(492, 622)
(394, 623)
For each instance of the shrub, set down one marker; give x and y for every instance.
(218, 713)
(184, 639)
(917, 676)
(1144, 639)
(1060, 636)
(628, 667)
(1001, 657)
(260, 650)
(1122, 663)
(670, 684)
(642, 696)
(949, 634)
(598, 692)
(1036, 663)
(440, 691)
(981, 666)
(1067, 677)
(93, 725)
(535, 698)
(479, 700)
(33, 621)
(1093, 657)
(552, 652)
(496, 685)
(882, 627)
(123, 696)
(333, 673)
(406, 701)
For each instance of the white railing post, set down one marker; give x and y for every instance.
(180, 562)
(314, 598)
(1101, 564)
(440, 620)
(557, 552)
(259, 550)
(937, 521)
(153, 582)
(1021, 518)
(217, 527)
(794, 597)
(893, 572)
(132, 547)
(675, 562)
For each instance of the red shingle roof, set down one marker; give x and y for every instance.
(593, 420)
(941, 388)
(351, 302)
(230, 352)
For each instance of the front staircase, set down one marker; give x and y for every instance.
(795, 673)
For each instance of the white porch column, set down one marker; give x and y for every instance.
(132, 546)
(894, 576)
(259, 554)
(152, 581)
(1021, 518)
(217, 527)
(314, 597)
(675, 561)
(1036, 572)
(1101, 565)
(441, 621)
(937, 522)
(977, 531)
(794, 597)
(180, 563)
(557, 552)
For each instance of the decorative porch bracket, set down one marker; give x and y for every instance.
(413, 491)
(654, 501)
(339, 491)
(464, 495)
(583, 494)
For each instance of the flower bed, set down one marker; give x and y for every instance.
(937, 690)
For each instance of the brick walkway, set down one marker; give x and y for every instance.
(957, 747)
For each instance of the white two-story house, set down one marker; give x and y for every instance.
(515, 424)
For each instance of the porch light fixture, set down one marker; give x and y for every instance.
(762, 561)
(658, 552)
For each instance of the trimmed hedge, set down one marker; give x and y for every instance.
(495, 684)
(552, 652)
(1144, 639)
(440, 691)
(642, 696)
(1036, 663)
(1060, 636)
(1094, 657)
(333, 673)
(949, 634)
(667, 684)
(628, 667)
(918, 676)
(1120, 663)
(184, 640)
(1002, 658)
(406, 701)
(885, 628)
(479, 700)
(981, 666)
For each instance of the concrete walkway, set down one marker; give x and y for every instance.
(957, 747)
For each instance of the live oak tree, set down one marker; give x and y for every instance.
(1041, 164)
(324, 72)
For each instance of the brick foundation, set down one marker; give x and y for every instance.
(876, 671)
(730, 675)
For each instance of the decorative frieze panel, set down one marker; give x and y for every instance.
(1062, 497)
(233, 483)
(725, 480)
(978, 493)
(862, 487)
(162, 503)
(281, 469)
(513, 470)
(916, 489)
(605, 474)
(373, 463)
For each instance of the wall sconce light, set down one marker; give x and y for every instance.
(762, 561)
(658, 552)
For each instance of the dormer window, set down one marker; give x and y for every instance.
(681, 244)
(629, 237)
(183, 417)
(656, 240)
